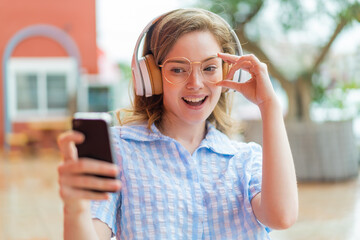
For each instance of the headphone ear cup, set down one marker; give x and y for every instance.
(154, 74)
(225, 68)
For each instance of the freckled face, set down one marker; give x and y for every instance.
(192, 101)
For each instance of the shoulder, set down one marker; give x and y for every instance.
(223, 144)
(246, 146)
(247, 154)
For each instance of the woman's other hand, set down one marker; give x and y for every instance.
(258, 89)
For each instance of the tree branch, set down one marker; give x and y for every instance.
(253, 13)
(252, 47)
(288, 86)
(342, 23)
(240, 26)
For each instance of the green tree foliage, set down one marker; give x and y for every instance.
(125, 69)
(290, 16)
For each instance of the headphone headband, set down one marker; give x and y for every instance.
(142, 76)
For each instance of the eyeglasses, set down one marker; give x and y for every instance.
(177, 70)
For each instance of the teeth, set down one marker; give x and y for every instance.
(194, 99)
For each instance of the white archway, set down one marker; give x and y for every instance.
(43, 30)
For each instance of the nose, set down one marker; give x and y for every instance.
(195, 79)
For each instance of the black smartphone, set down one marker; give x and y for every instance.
(96, 128)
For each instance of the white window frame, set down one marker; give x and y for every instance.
(41, 67)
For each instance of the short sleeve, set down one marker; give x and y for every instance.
(255, 170)
(256, 173)
(106, 210)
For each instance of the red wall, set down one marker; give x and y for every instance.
(76, 17)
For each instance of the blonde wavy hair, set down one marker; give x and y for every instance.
(158, 41)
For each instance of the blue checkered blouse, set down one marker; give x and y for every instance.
(167, 193)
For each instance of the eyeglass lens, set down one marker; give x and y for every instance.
(177, 70)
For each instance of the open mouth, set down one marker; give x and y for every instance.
(194, 101)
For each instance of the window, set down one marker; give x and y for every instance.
(99, 98)
(56, 91)
(99, 94)
(27, 91)
(41, 87)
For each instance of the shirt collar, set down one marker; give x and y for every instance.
(140, 133)
(217, 141)
(214, 140)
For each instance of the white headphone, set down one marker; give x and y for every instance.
(147, 75)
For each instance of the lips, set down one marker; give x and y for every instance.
(194, 101)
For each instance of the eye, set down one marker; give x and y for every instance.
(177, 70)
(210, 68)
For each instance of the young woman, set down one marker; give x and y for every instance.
(181, 177)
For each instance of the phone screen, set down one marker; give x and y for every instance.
(97, 141)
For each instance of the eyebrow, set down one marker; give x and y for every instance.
(184, 61)
(177, 61)
(209, 58)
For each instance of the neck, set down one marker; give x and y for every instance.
(189, 135)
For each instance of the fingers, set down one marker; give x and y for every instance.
(76, 182)
(249, 63)
(76, 178)
(68, 193)
(89, 166)
(234, 85)
(258, 88)
(88, 182)
(229, 58)
(234, 58)
(244, 65)
(229, 84)
(66, 142)
(68, 136)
